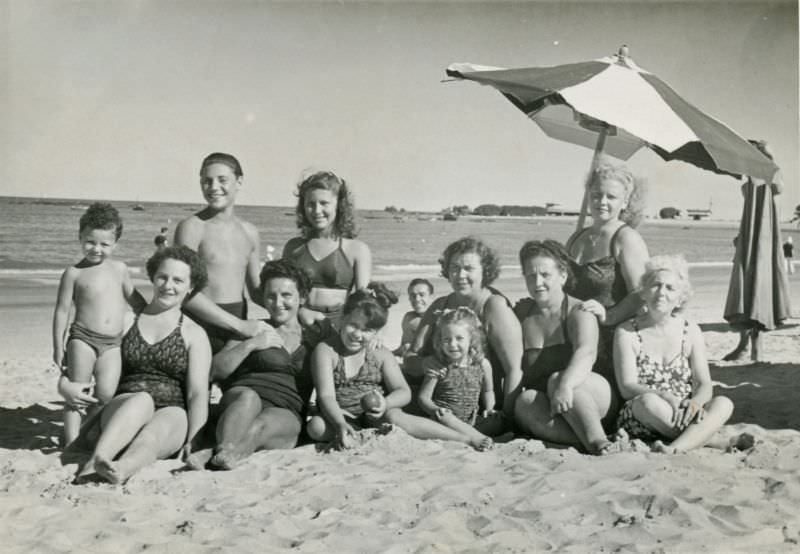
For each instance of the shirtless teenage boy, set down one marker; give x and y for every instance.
(230, 249)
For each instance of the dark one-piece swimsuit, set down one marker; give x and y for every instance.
(158, 369)
(538, 364)
(601, 280)
(281, 379)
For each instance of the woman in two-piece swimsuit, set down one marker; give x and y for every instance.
(266, 385)
(609, 255)
(162, 398)
(561, 400)
(662, 369)
(327, 249)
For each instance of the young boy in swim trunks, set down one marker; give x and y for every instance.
(100, 288)
(420, 292)
(230, 248)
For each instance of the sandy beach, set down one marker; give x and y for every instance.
(397, 494)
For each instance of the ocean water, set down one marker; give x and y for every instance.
(40, 236)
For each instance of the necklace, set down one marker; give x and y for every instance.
(594, 236)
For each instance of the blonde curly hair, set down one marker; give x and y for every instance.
(635, 189)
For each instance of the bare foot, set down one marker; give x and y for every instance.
(228, 456)
(86, 474)
(110, 471)
(601, 447)
(659, 446)
(481, 444)
(198, 460)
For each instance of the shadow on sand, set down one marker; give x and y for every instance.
(35, 427)
(762, 393)
(724, 327)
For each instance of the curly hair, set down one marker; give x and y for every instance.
(101, 215)
(374, 302)
(490, 261)
(635, 189)
(477, 338)
(677, 265)
(285, 269)
(222, 158)
(344, 225)
(548, 248)
(198, 275)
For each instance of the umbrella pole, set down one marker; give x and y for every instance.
(598, 151)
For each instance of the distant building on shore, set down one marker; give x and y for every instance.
(698, 213)
(560, 209)
(509, 210)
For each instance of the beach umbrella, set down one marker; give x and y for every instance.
(617, 108)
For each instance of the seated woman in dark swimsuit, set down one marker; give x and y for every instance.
(328, 251)
(610, 255)
(162, 399)
(562, 400)
(471, 267)
(266, 385)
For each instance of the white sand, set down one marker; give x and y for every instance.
(397, 494)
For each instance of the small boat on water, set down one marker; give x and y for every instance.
(137, 208)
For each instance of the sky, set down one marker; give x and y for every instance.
(121, 100)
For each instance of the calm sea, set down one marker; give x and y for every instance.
(41, 236)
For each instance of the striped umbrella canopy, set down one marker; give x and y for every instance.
(615, 107)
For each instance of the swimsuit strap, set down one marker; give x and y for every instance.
(564, 315)
(639, 337)
(575, 238)
(684, 357)
(614, 239)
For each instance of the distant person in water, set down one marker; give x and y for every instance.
(327, 249)
(161, 241)
(100, 288)
(420, 295)
(230, 248)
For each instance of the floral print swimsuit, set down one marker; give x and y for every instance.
(674, 377)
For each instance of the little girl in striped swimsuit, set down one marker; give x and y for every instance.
(459, 377)
(661, 366)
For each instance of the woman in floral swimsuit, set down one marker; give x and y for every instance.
(661, 367)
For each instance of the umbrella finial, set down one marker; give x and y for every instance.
(622, 56)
